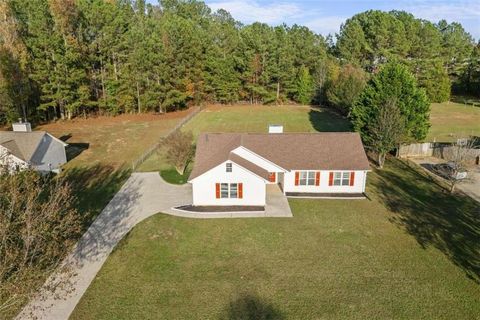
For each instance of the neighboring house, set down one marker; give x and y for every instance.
(39, 150)
(233, 169)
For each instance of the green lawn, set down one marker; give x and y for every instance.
(257, 118)
(172, 176)
(451, 120)
(410, 252)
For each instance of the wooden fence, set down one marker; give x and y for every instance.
(435, 149)
(136, 163)
(416, 150)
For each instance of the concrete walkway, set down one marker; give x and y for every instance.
(143, 195)
(277, 203)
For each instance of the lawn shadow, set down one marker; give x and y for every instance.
(450, 223)
(248, 306)
(110, 227)
(94, 186)
(75, 149)
(324, 120)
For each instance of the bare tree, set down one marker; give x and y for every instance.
(387, 130)
(38, 226)
(458, 156)
(180, 150)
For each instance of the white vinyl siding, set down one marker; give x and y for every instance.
(288, 183)
(204, 187)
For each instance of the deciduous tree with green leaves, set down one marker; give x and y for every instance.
(394, 84)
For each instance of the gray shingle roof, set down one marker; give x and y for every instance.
(21, 144)
(291, 151)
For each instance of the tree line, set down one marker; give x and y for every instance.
(70, 58)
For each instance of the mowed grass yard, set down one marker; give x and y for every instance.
(412, 251)
(452, 120)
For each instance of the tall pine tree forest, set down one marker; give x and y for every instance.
(61, 59)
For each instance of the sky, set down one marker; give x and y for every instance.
(326, 16)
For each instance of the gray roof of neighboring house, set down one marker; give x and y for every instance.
(23, 144)
(291, 151)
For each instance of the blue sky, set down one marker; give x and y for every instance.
(325, 16)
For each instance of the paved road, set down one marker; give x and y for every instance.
(143, 195)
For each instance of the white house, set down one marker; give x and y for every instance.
(39, 150)
(233, 169)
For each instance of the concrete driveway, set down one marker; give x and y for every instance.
(470, 186)
(143, 195)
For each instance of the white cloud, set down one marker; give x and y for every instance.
(466, 12)
(326, 25)
(448, 11)
(326, 19)
(250, 11)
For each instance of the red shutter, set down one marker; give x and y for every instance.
(217, 190)
(330, 179)
(271, 176)
(317, 178)
(352, 178)
(240, 191)
(297, 178)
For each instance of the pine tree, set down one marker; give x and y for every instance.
(305, 88)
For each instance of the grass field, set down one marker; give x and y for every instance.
(452, 120)
(114, 141)
(410, 252)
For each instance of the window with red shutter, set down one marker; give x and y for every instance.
(352, 178)
(240, 191)
(317, 178)
(330, 179)
(297, 178)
